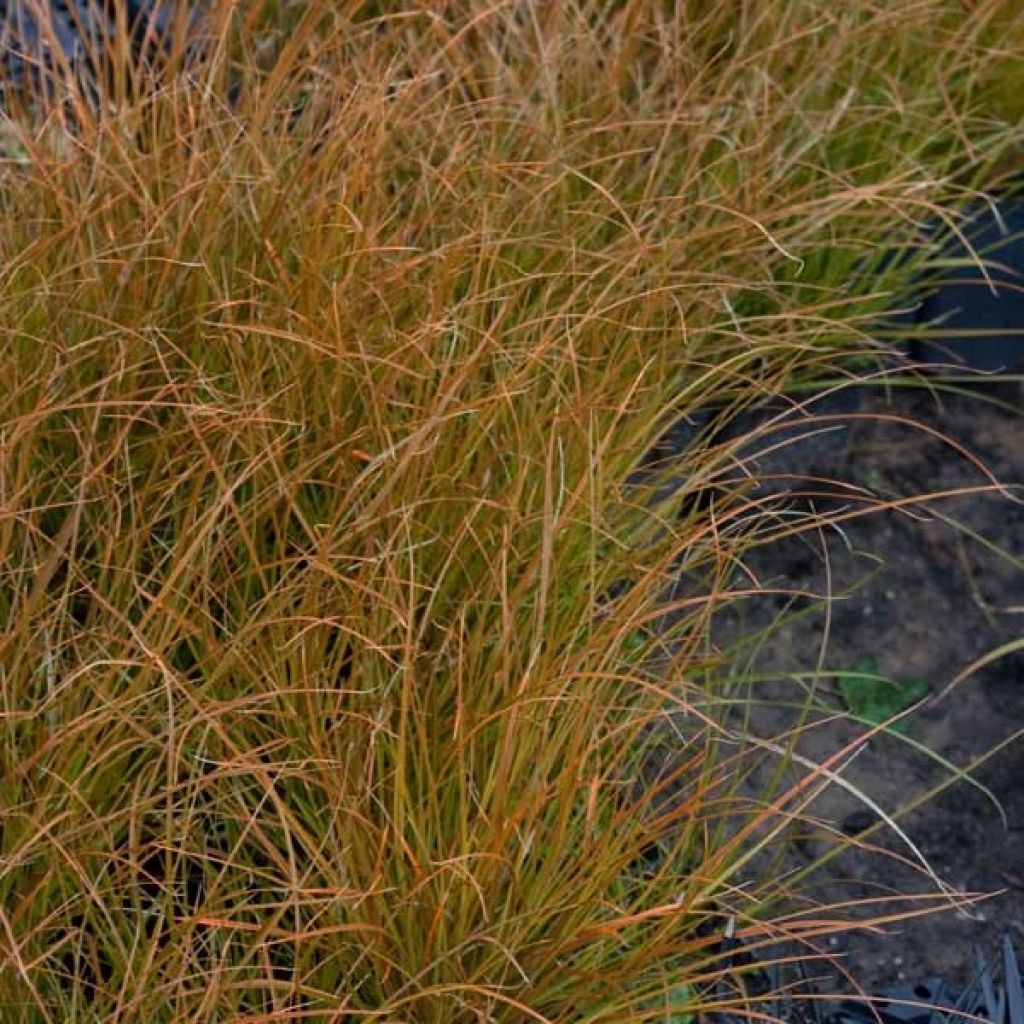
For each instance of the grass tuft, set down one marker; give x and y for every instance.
(340, 609)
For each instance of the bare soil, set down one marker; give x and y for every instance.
(922, 591)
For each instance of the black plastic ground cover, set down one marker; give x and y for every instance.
(784, 992)
(995, 994)
(965, 315)
(81, 31)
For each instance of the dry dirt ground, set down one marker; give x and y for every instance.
(916, 594)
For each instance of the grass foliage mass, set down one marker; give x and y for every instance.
(337, 622)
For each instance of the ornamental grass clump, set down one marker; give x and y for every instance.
(339, 628)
